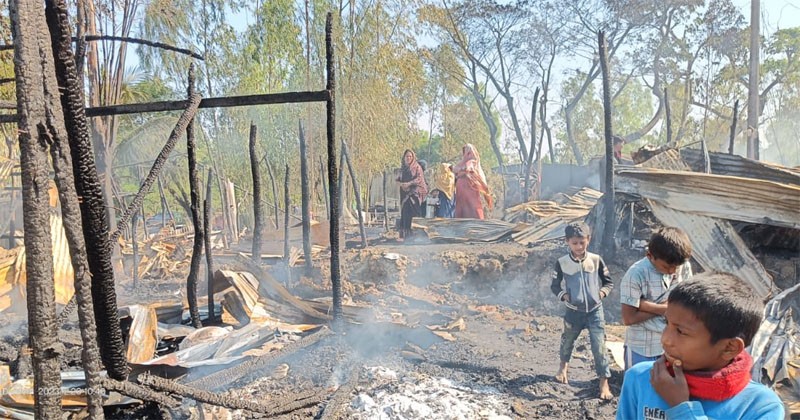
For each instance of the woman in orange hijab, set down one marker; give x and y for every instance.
(471, 185)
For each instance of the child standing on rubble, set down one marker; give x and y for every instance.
(644, 291)
(581, 280)
(704, 372)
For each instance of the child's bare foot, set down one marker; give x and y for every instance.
(561, 376)
(605, 391)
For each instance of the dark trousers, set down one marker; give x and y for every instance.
(595, 322)
(411, 209)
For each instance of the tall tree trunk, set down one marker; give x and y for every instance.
(34, 101)
(207, 245)
(669, 116)
(753, 79)
(197, 219)
(357, 192)
(608, 195)
(306, 202)
(102, 304)
(528, 164)
(258, 216)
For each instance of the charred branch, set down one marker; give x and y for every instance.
(733, 126)
(213, 398)
(287, 203)
(161, 45)
(334, 410)
(274, 194)
(158, 164)
(139, 392)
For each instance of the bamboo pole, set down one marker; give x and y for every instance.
(197, 219)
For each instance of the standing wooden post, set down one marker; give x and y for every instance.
(733, 126)
(274, 194)
(306, 201)
(207, 245)
(287, 203)
(258, 216)
(668, 111)
(197, 220)
(32, 90)
(330, 86)
(529, 161)
(385, 205)
(357, 192)
(609, 228)
(142, 214)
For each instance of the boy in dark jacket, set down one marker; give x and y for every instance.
(581, 280)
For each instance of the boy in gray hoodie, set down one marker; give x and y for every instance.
(581, 280)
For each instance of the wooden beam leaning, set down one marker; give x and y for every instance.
(219, 102)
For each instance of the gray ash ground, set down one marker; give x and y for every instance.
(500, 365)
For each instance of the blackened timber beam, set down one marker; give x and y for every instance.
(221, 102)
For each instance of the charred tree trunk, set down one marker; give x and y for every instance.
(330, 72)
(197, 219)
(306, 201)
(287, 203)
(733, 126)
(102, 305)
(32, 67)
(357, 192)
(340, 185)
(258, 214)
(609, 228)
(207, 245)
(274, 195)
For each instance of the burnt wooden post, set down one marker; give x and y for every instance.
(287, 203)
(258, 216)
(330, 86)
(32, 103)
(165, 210)
(610, 219)
(197, 220)
(733, 126)
(385, 205)
(668, 111)
(305, 201)
(340, 184)
(357, 192)
(274, 194)
(142, 214)
(207, 245)
(96, 296)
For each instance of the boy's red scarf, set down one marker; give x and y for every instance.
(719, 385)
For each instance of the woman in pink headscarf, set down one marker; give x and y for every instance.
(470, 185)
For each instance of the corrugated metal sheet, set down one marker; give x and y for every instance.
(62, 265)
(724, 197)
(734, 165)
(462, 230)
(717, 247)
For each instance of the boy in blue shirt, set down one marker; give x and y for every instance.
(705, 371)
(581, 280)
